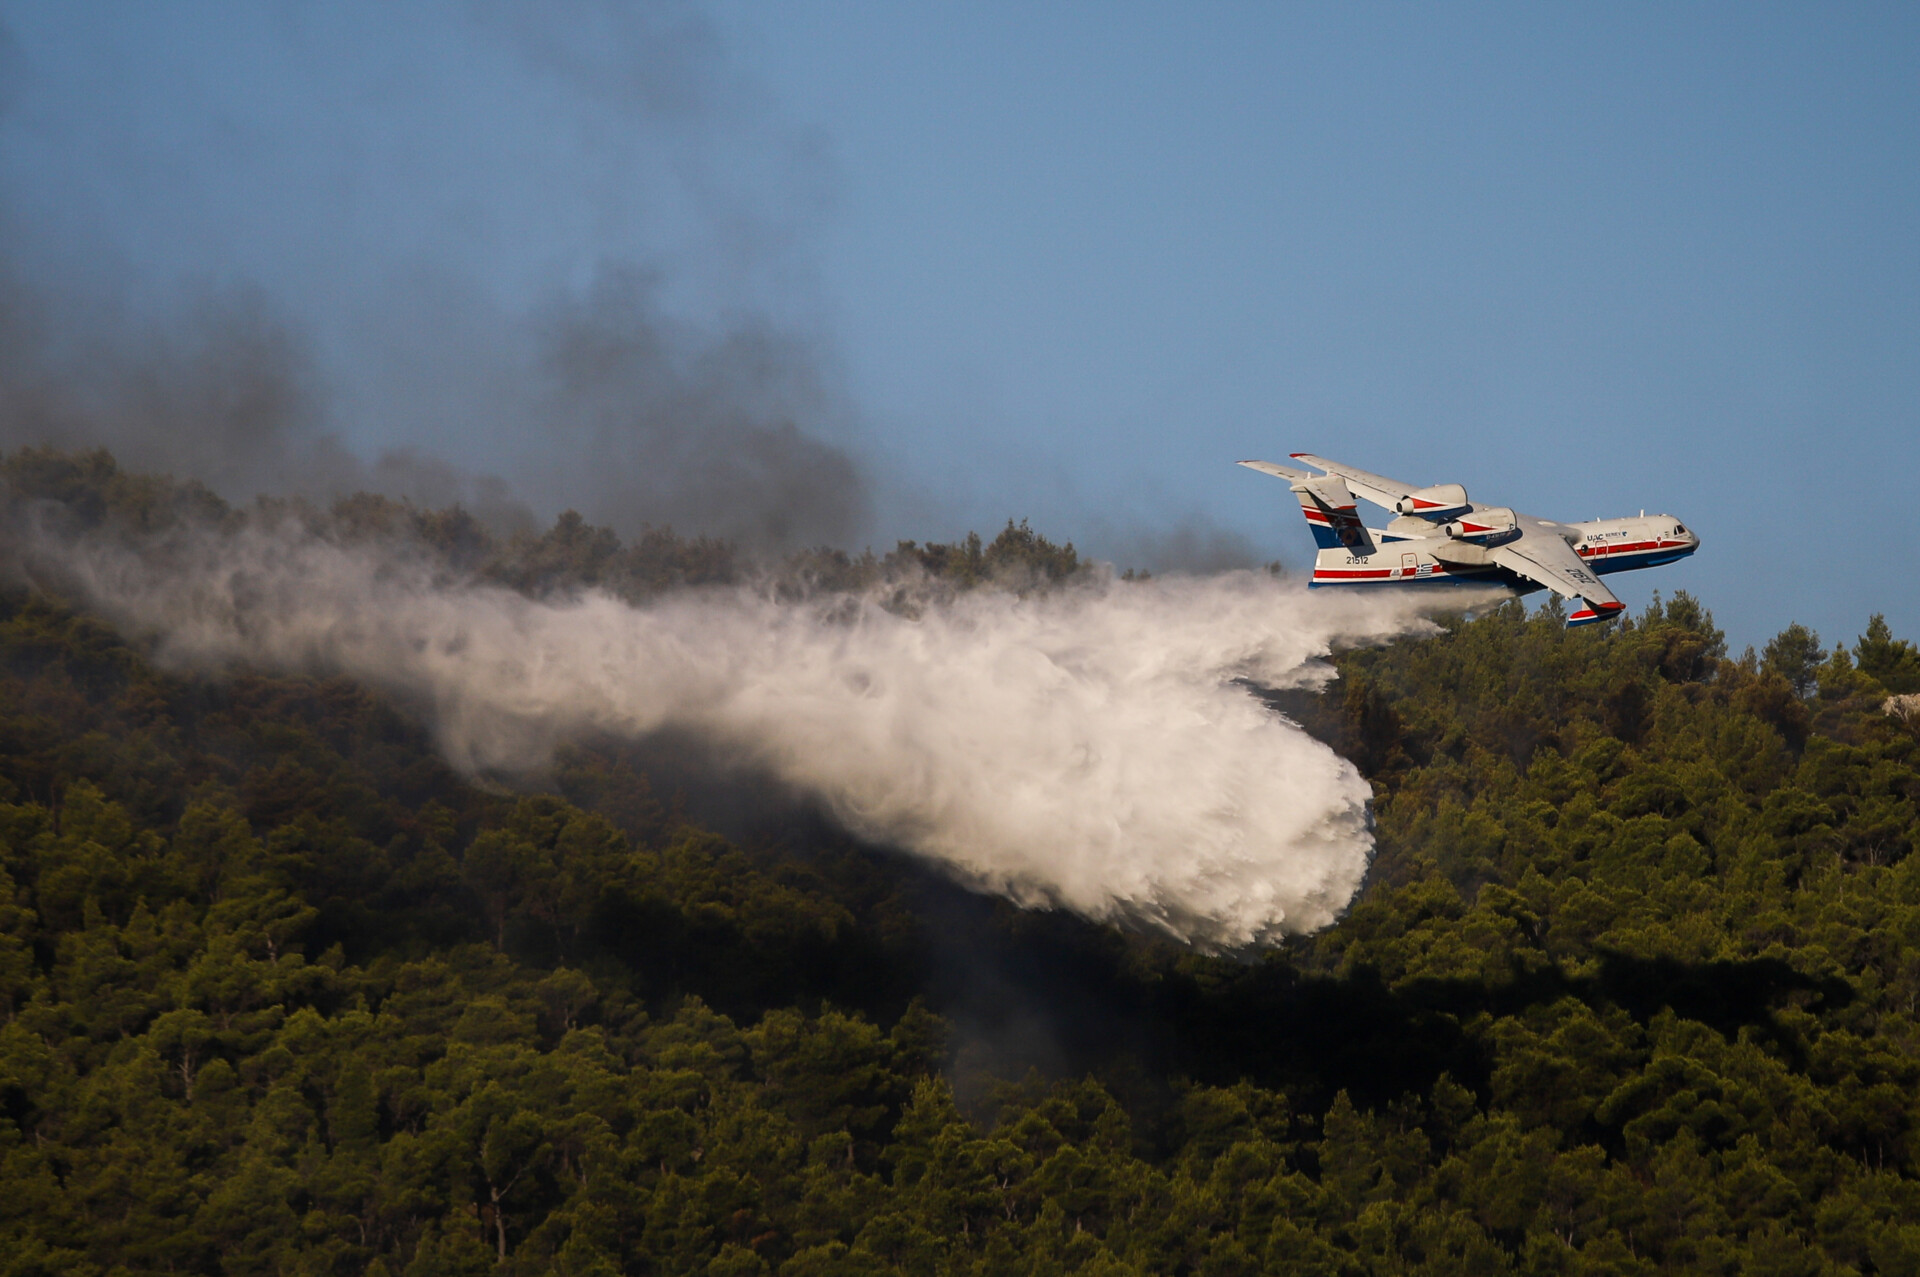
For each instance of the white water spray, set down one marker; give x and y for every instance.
(1085, 748)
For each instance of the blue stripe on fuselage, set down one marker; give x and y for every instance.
(1428, 582)
(1627, 562)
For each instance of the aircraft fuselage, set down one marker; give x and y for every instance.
(1404, 552)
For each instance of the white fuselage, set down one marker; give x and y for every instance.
(1404, 553)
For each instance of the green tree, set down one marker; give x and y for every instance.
(1893, 663)
(1795, 655)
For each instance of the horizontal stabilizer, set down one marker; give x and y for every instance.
(1278, 471)
(1377, 488)
(1327, 490)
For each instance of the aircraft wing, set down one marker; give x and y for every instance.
(1543, 557)
(1376, 488)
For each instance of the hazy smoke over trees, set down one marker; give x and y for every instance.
(624, 413)
(642, 375)
(701, 430)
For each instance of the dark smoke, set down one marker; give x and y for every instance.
(223, 390)
(1195, 545)
(701, 430)
(620, 410)
(599, 395)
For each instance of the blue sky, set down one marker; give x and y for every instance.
(1070, 261)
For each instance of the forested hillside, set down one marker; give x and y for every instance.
(1634, 985)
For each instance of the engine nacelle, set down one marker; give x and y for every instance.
(1441, 501)
(1483, 527)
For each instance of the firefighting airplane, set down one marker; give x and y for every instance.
(1438, 535)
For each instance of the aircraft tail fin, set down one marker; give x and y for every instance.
(1333, 515)
(1328, 505)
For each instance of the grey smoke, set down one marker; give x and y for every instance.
(655, 370)
(1194, 544)
(703, 430)
(619, 409)
(223, 391)
(648, 61)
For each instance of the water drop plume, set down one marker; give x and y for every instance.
(1091, 747)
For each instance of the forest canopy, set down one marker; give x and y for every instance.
(1632, 986)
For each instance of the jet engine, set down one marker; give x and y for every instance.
(1484, 527)
(1441, 501)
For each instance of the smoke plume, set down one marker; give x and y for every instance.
(615, 406)
(556, 262)
(1089, 748)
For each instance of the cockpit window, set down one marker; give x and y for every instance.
(1680, 529)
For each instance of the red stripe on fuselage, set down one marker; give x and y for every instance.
(1375, 574)
(1628, 547)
